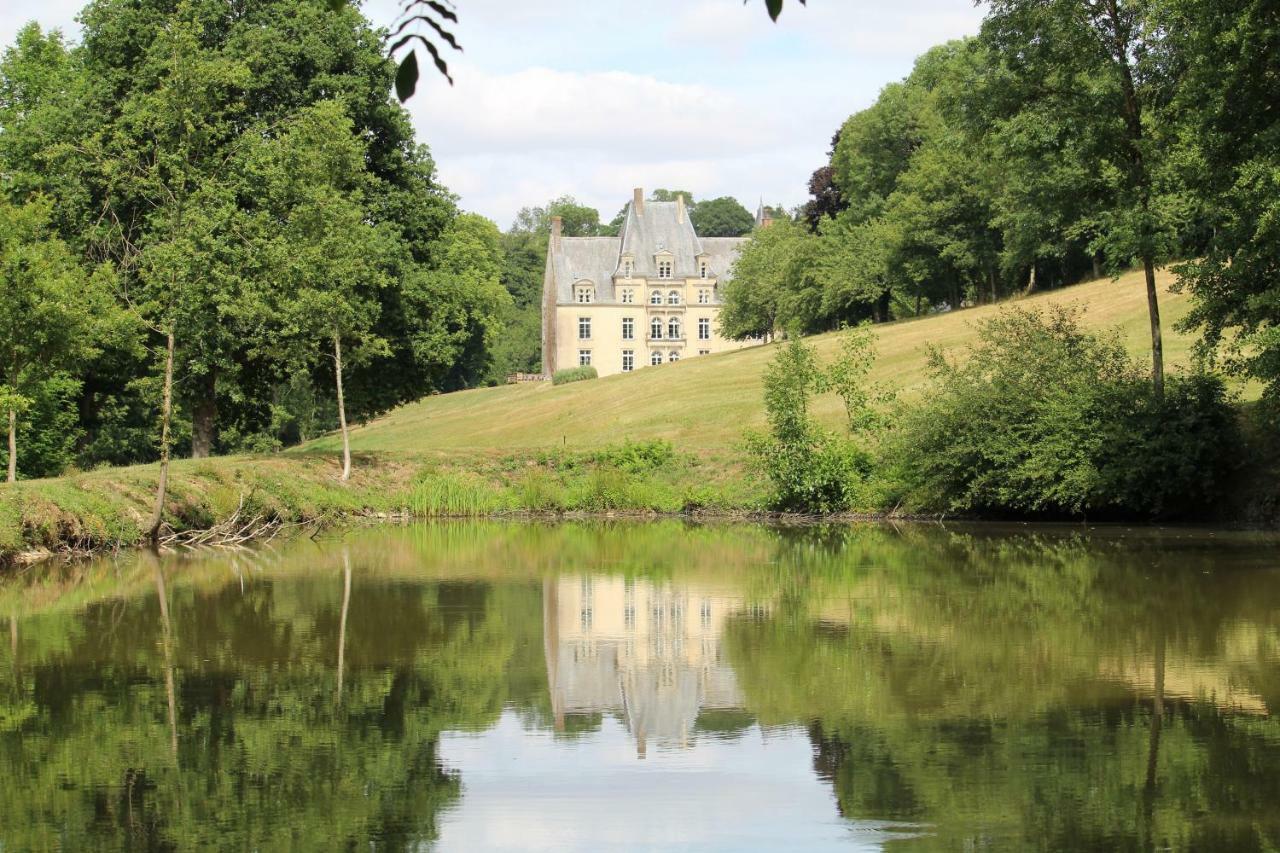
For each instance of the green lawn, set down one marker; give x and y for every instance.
(704, 403)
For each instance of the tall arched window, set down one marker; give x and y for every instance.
(673, 327)
(655, 328)
(673, 297)
(655, 297)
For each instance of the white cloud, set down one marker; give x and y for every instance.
(590, 98)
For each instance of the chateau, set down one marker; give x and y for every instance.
(647, 297)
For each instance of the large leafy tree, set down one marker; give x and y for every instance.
(1227, 110)
(721, 217)
(332, 258)
(1098, 69)
(51, 313)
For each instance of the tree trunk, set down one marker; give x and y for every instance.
(991, 280)
(204, 417)
(883, 310)
(13, 444)
(1097, 267)
(342, 408)
(1157, 343)
(166, 415)
(1031, 281)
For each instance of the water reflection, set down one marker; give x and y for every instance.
(649, 652)
(481, 686)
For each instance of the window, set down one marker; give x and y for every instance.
(704, 296)
(673, 357)
(586, 294)
(584, 328)
(628, 296)
(702, 269)
(655, 358)
(673, 328)
(655, 328)
(628, 267)
(628, 360)
(584, 357)
(673, 298)
(628, 329)
(655, 298)
(704, 328)
(664, 269)
(704, 352)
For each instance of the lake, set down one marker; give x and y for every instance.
(651, 686)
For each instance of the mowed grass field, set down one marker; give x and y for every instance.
(706, 402)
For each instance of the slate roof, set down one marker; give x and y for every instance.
(658, 228)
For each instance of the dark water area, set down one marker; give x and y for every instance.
(651, 686)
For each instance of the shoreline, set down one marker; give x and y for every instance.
(239, 501)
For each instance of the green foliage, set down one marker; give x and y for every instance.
(53, 318)
(721, 217)
(1041, 417)
(810, 469)
(1228, 160)
(637, 457)
(574, 374)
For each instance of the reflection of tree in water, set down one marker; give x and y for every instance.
(1027, 694)
(259, 755)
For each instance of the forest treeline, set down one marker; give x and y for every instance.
(209, 209)
(219, 234)
(1068, 140)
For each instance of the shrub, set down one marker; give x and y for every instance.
(637, 456)
(809, 468)
(573, 374)
(1043, 418)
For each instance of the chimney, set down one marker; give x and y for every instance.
(680, 208)
(637, 200)
(556, 226)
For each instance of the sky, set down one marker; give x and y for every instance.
(590, 98)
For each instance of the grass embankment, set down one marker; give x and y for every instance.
(704, 403)
(529, 447)
(108, 509)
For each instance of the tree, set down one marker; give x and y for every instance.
(721, 217)
(333, 258)
(577, 220)
(458, 305)
(758, 298)
(1098, 67)
(51, 313)
(825, 200)
(1227, 111)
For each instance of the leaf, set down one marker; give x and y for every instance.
(336, 5)
(407, 77)
(774, 7)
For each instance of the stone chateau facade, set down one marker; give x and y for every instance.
(647, 297)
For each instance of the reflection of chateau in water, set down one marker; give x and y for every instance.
(648, 652)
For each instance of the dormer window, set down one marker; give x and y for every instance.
(655, 297)
(673, 298)
(628, 267)
(702, 269)
(664, 269)
(585, 293)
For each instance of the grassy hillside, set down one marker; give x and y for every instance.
(705, 402)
